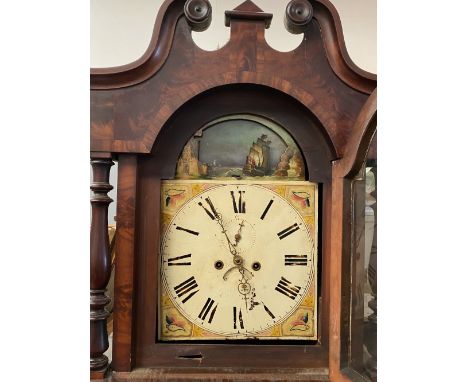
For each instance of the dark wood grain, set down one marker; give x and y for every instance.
(144, 113)
(278, 107)
(124, 263)
(335, 276)
(129, 119)
(333, 40)
(359, 142)
(100, 267)
(318, 155)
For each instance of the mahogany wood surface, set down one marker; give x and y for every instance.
(309, 134)
(161, 164)
(360, 139)
(248, 11)
(144, 112)
(124, 263)
(128, 119)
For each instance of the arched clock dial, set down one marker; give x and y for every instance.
(237, 259)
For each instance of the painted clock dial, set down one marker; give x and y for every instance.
(237, 259)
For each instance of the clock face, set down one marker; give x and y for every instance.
(237, 259)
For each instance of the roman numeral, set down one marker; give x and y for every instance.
(206, 309)
(195, 233)
(266, 209)
(288, 231)
(175, 260)
(185, 287)
(295, 259)
(238, 318)
(268, 311)
(213, 214)
(287, 288)
(238, 205)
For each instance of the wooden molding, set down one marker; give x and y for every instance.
(332, 35)
(163, 33)
(124, 264)
(191, 374)
(153, 58)
(248, 11)
(360, 139)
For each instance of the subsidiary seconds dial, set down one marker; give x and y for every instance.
(237, 259)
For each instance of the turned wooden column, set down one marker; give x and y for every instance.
(100, 264)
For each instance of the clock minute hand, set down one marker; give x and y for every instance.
(232, 248)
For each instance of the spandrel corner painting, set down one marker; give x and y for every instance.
(241, 146)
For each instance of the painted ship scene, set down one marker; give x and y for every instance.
(241, 148)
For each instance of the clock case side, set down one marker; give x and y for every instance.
(362, 146)
(160, 164)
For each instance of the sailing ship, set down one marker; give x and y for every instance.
(258, 161)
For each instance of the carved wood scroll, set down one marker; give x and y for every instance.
(131, 104)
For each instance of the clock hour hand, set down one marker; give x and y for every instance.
(219, 220)
(228, 272)
(232, 247)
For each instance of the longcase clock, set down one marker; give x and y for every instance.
(237, 192)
